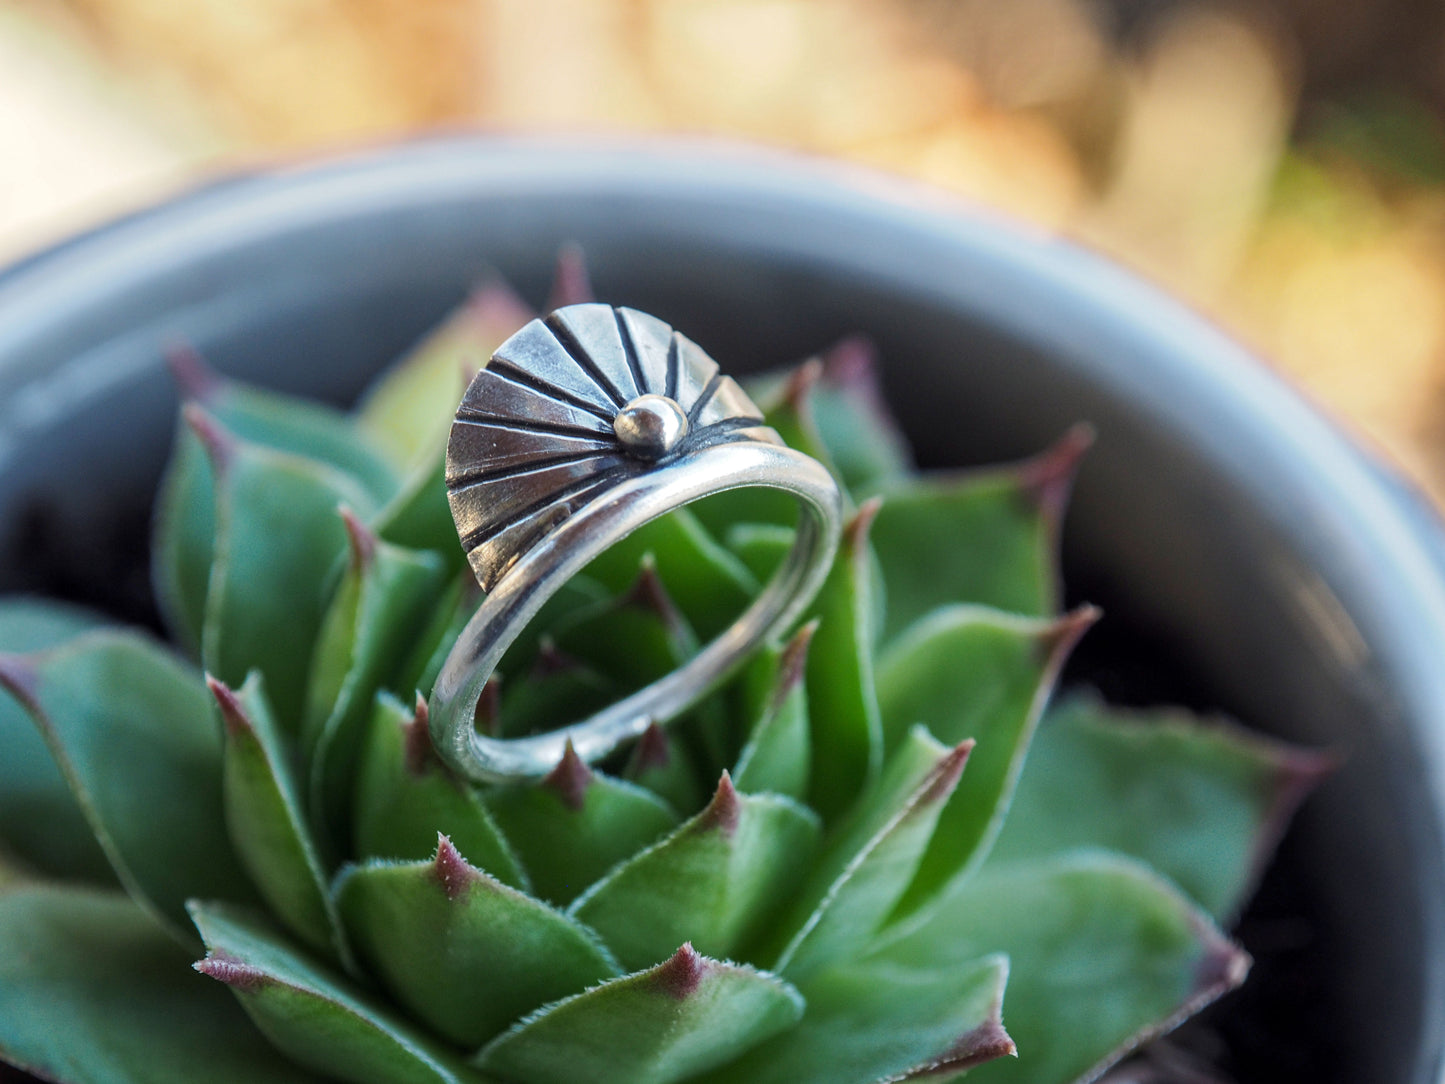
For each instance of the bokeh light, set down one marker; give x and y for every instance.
(1280, 163)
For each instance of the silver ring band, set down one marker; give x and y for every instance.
(584, 427)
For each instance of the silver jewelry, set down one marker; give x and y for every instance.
(584, 426)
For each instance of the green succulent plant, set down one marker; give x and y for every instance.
(837, 868)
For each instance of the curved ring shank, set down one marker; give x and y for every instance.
(543, 569)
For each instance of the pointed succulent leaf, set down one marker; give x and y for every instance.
(761, 547)
(833, 405)
(786, 402)
(132, 731)
(278, 538)
(864, 442)
(876, 1022)
(1104, 954)
(987, 537)
(571, 284)
(578, 596)
(457, 605)
(634, 638)
(969, 672)
(710, 586)
(40, 822)
(778, 752)
(459, 949)
(682, 1017)
(408, 412)
(186, 521)
(556, 690)
(405, 796)
(575, 825)
(1201, 802)
(420, 666)
(314, 1017)
(714, 882)
(285, 423)
(183, 537)
(263, 813)
(419, 517)
(664, 766)
(846, 735)
(410, 409)
(874, 857)
(92, 991)
(789, 410)
(386, 599)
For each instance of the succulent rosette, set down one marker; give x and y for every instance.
(838, 867)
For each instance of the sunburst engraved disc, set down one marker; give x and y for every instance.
(571, 406)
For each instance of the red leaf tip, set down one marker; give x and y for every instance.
(851, 366)
(551, 659)
(571, 284)
(361, 538)
(1064, 633)
(725, 809)
(984, 1043)
(21, 677)
(219, 444)
(681, 973)
(852, 363)
(194, 377)
(453, 872)
(416, 738)
(1297, 773)
(233, 972)
(944, 776)
(649, 593)
(570, 779)
(1048, 478)
(800, 384)
(495, 307)
(1223, 966)
(233, 714)
(793, 664)
(855, 532)
(653, 750)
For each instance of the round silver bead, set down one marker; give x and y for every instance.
(650, 426)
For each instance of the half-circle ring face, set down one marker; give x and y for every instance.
(584, 426)
(569, 406)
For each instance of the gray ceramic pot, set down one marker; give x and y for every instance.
(1245, 551)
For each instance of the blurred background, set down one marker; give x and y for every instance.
(1280, 163)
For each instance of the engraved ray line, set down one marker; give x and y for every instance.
(718, 431)
(481, 534)
(630, 349)
(473, 416)
(706, 396)
(475, 476)
(578, 353)
(674, 361)
(506, 370)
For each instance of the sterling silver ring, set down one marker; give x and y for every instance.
(584, 426)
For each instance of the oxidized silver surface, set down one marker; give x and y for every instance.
(584, 426)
